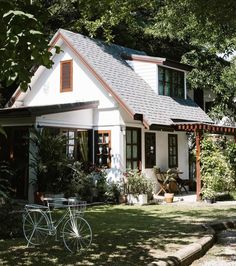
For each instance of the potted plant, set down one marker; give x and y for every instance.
(208, 194)
(137, 187)
(48, 163)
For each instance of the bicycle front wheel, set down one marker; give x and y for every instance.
(35, 227)
(77, 234)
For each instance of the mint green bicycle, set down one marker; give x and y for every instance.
(75, 230)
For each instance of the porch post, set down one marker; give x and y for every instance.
(198, 135)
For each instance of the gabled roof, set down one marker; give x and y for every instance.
(107, 64)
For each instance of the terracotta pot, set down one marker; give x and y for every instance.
(169, 197)
(122, 199)
(39, 197)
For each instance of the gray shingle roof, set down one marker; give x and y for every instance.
(138, 96)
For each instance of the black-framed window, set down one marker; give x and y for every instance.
(173, 150)
(171, 82)
(103, 148)
(78, 144)
(150, 149)
(133, 148)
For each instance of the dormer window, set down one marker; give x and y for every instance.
(66, 76)
(171, 82)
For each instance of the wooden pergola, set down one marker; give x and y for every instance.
(200, 128)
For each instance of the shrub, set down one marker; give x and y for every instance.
(216, 171)
(137, 183)
(10, 221)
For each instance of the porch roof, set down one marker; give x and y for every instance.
(206, 127)
(33, 111)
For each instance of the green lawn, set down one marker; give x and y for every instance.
(124, 235)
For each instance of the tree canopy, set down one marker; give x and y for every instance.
(195, 32)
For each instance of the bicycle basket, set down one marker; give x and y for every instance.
(78, 208)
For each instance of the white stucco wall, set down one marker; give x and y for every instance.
(147, 71)
(162, 154)
(46, 89)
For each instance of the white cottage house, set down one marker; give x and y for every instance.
(129, 104)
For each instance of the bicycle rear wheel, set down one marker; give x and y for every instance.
(35, 227)
(77, 234)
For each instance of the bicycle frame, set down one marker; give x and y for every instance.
(38, 224)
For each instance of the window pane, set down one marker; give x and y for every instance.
(135, 151)
(167, 75)
(128, 136)
(128, 165)
(161, 88)
(160, 73)
(167, 89)
(135, 165)
(135, 137)
(173, 150)
(128, 151)
(132, 147)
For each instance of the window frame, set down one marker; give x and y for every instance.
(173, 151)
(69, 88)
(104, 144)
(175, 89)
(150, 155)
(132, 144)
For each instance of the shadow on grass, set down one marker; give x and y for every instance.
(122, 235)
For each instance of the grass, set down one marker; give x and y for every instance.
(124, 235)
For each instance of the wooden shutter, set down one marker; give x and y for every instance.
(66, 76)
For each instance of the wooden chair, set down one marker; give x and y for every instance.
(181, 184)
(162, 182)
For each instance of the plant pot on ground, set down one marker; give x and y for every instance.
(208, 195)
(169, 197)
(137, 187)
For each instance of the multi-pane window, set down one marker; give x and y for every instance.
(102, 148)
(77, 144)
(71, 142)
(173, 150)
(150, 150)
(133, 148)
(66, 76)
(171, 82)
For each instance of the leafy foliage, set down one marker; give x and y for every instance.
(10, 221)
(216, 171)
(49, 160)
(5, 175)
(137, 183)
(23, 42)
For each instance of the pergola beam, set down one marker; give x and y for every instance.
(199, 128)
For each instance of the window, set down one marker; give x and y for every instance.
(171, 82)
(78, 144)
(71, 143)
(133, 148)
(150, 150)
(102, 148)
(66, 76)
(173, 150)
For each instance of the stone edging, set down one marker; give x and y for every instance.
(196, 250)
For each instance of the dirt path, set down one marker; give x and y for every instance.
(223, 253)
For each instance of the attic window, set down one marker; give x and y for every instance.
(171, 82)
(66, 76)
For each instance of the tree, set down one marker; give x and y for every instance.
(23, 44)
(210, 27)
(210, 24)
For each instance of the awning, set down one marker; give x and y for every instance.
(205, 127)
(33, 111)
